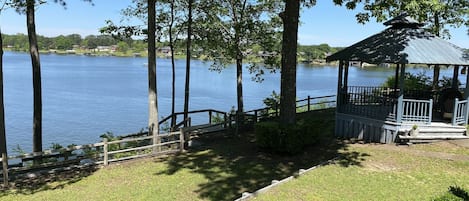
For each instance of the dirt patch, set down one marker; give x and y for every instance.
(380, 166)
(417, 152)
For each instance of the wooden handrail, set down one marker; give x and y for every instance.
(52, 151)
(188, 119)
(313, 98)
(298, 101)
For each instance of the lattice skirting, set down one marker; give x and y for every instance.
(368, 130)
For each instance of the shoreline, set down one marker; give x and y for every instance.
(158, 55)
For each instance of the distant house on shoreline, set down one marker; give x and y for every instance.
(165, 50)
(111, 48)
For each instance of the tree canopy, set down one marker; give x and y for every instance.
(438, 14)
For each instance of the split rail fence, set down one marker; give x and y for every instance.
(101, 153)
(142, 144)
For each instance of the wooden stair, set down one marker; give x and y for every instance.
(193, 132)
(432, 132)
(204, 129)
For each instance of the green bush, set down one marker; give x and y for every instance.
(455, 193)
(268, 134)
(293, 138)
(448, 197)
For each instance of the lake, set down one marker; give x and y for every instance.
(84, 97)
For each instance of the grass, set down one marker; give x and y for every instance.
(385, 172)
(222, 167)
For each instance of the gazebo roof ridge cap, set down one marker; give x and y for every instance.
(403, 20)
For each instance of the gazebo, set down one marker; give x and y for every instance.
(386, 115)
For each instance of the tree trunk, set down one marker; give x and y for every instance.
(173, 67)
(188, 63)
(436, 69)
(436, 77)
(3, 139)
(34, 51)
(153, 126)
(239, 82)
(290, 19)
(239, 92)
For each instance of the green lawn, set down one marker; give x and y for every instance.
(221, 168)
(382, 172)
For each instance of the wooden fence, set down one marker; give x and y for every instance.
(98, 153)
(176, 120)
(303, 105)
(141, 144)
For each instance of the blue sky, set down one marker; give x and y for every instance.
(324, 23)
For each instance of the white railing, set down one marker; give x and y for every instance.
(415, 111)
(460, 112)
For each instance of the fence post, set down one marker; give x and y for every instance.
(225, 120)
(276, 109)
(105, 150)
(455, 112)
(466, 112)
(399, 109)
(309, 103)
(5, 169)
(181, 140)
(255, 116)
(430, 113)
(210, 117)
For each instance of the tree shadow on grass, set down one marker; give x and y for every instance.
(33, 182)
(234, 165)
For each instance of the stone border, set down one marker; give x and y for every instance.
(248, 195)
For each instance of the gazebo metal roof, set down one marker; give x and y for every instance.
(405, 42)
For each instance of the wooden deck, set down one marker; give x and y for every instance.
(431, 132)
(203, 129)
(382, 131)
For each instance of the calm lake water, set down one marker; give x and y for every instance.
(84, 97)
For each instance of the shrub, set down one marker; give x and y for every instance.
(455, 193)
(293, 138)
(268, 134)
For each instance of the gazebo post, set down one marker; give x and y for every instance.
(396, 80)
(339, 85)
(455, 77)
(465, 97)
(436, 77)
(400, 99)
(347, 64)
(466, 90)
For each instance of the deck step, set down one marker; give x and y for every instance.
(433, 137)
(429, 138)
(442, 132)
(436, 130)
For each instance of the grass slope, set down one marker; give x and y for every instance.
(222, 167)
(385, 172)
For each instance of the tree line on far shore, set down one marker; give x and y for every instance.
(19, 42)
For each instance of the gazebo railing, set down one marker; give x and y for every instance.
(415, 111)
(460, 115)
(382, 103)
(371, 102)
